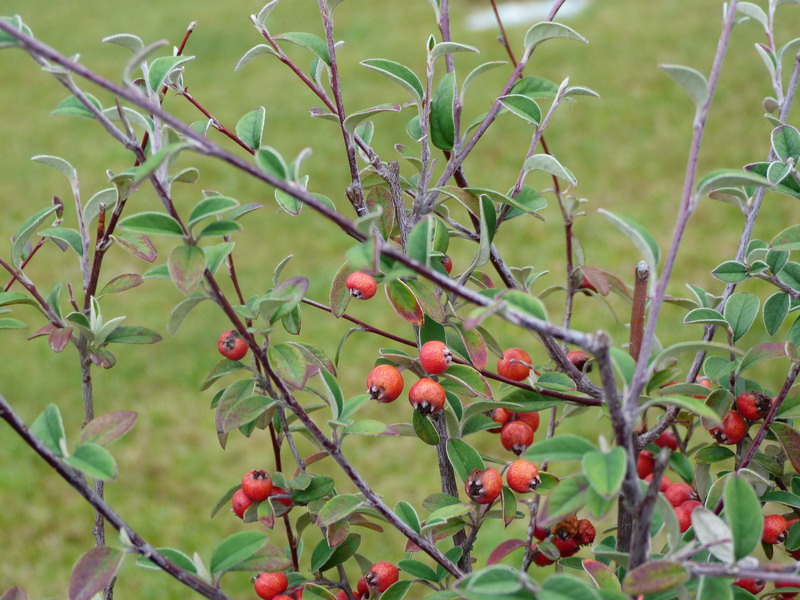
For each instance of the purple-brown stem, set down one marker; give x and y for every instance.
(641, 279)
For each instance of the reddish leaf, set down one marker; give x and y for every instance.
(59, 339)
(475, 345)
(598, 279)
(137, 244)
(601, 574)
(289, 364)
(431, 305)
(45, 330)
(106, 428)
(15, 593)
(121, 283)
(340, 295)
(337, 533)
(380, 196)
(654, 577)
(94, 571)
(503, 549)
(360, 520)
(186, 265)
(404, 302)
(312, 458)
(789, 439)
(103, 358)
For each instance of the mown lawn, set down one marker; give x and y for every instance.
(627, 149)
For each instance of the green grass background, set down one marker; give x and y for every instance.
(628, 150)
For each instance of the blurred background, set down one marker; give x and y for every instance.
(628, 150)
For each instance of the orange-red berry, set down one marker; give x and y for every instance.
(678, 493)
(531, 419)
(754, 586)
(732, 430)
(516, 436)
(579, 358)
(382, 575)
(645, 464)
(566, 547)
(514, 364)
(775, 529)
(279, 491)
(690, 505)
(586, 532)
(435, 357)
(667, 440)
(523, 476)
(231, 345)
(447, 263)
(283, 597)
(684, 518)
(753, 406)
(540, 533)
(484, 487)
(240, 503)
(501, 416)
(257, 485)
(663, 484)
(362, 589)
(269, 585)
(362, 286)
(427, 396)
(385, 383)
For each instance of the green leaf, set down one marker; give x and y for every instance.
(342, 552)
(759, 354)
(495, 582)
(398, 73)
(176, 556)
(186, 267)
(337, 509)
(320, 486)
(180, 312)
(404, 302)
(408, 515)
(254, 52)
(93, 460)
(424, 429)
(562, 447)
(121, 283)
(59, 164)
(353, 120)
(605, 471)
(66, 235)
(236, 549)
(693, 405)
(420, 241)
(691, 80)
(94, 571)
(566, 587)
(161, 68)
(289, 364)
(548, 30)
(568, 497)
(527, 304)
(637, 234)
(442, 123)
(310, 41)
(49, 428)
(208, 207)
(741, 311)
(73, 107)
(776, 308)
(132, 334)
(152, 223)
(271, 162)
(705, 316)
(139, 245)
(786, 143)
(396, 591)
(717, 588)
(712, 454)
(417, 569)
(463, 457)
(8, 323)
(654, 576)
(729, 178)
(25, 232)
(741, 503)
(223, 227)
(523, 106)
(240, 411)
(549, 164)
(444, 48)
(788, 239)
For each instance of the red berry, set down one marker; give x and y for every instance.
(667, 440)
(516, 436)
(269, 585)
(231, 345)
(540, 533)
(501, 416)
(663, 485)
(447, 263)
(754, 586)
(775, 529)
(240, 503)
(257, 485)
(362, 286)
(484, 487)
(540, 559)
(279, 491)
(283, 597)
(435, 357)
(362, 589)
(645, 464)
(678, 493)
(427, 396)
(531, 419)
(753, 406)
(382, 575)
(341, 595)
(732, 430)
(787, 584)
(522, 476)
(586, 532)
(690, 505)
(385, 383)
(566, 547)
(705, 382)
(578, 358)
(514, 364)
(684, 518)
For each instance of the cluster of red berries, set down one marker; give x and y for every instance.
(380, 576)
(750, 406)
(516, 428)
(272, 585)
(567, 537)
(257, 486)
(776, 530)
(756, 586)
(485, 485)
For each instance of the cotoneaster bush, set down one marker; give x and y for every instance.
(689, 497)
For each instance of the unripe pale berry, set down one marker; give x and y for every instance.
(240, 503)
(257, 485)
(775, 529)
(484, 487)
(732, 430)
(382, 575)
(269, 585)
(754, 586)
(231, 345)
(645, 464)
(362, 286)
(501, 416)
(684, 518)
(579, 358)
(753, 406)
(514, 364)
(435, 357)
(385, 383)
(523, 476)
(531, 419)
(427, 396)
(516, 436)
(678, 493)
